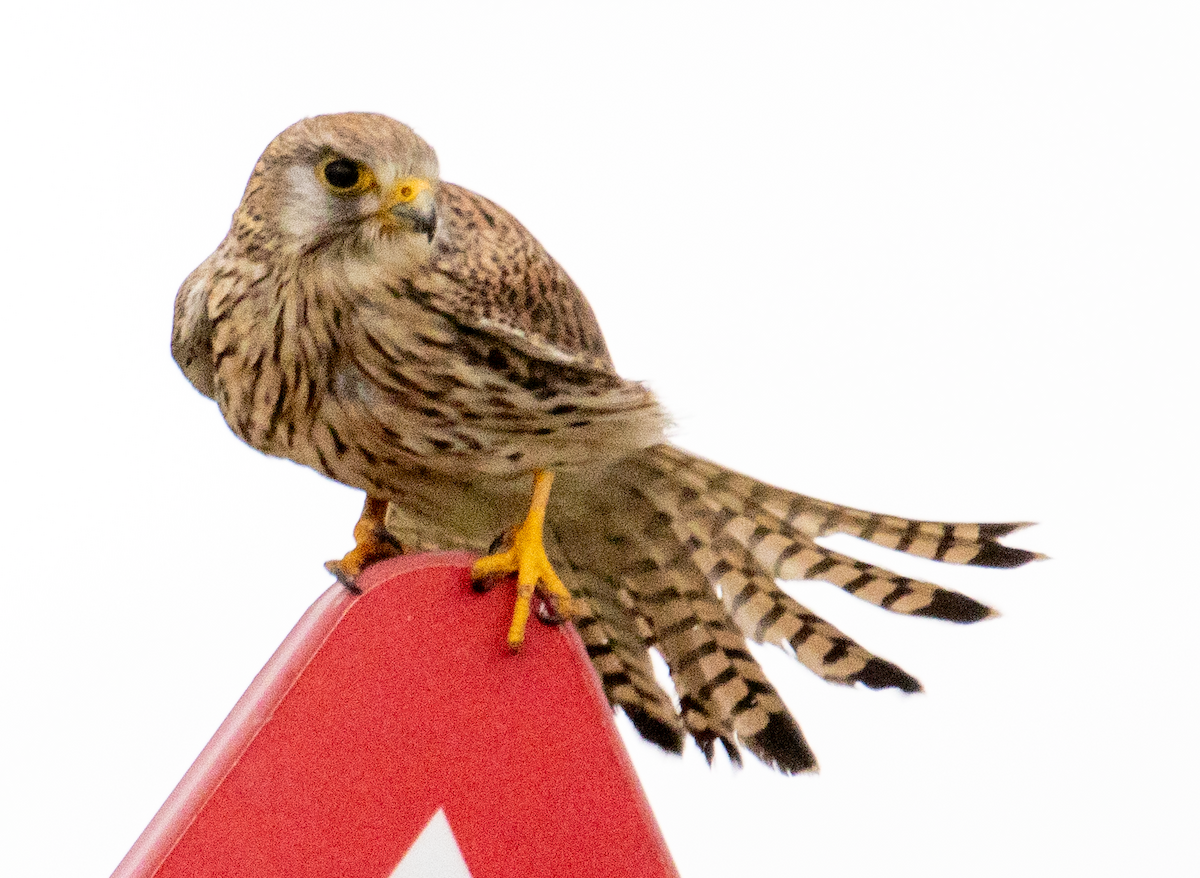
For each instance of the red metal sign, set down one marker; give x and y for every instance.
(393, 735)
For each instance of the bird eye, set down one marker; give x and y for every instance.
(345, 176)
(341, 174)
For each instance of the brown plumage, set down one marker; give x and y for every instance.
(408, 337)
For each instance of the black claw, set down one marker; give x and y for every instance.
(546, 612)
(348, 582)
(485, 584)
(502, 543)
(385, 536)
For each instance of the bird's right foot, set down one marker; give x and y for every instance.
(372, 542)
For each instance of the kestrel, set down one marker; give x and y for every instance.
(407, 337)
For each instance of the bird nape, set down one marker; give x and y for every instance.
(407, 337)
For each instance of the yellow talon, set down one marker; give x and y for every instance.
(372, 543)
(527, 558)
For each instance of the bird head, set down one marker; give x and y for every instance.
(358, 179)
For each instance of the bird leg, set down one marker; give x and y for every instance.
(372, 543)
(526, 557)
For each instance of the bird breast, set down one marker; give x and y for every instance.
(368, 384)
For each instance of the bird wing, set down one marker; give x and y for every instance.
(191, 334)
(491, 274)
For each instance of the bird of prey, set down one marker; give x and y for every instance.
(407, 337)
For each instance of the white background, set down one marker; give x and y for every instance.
(932, 259)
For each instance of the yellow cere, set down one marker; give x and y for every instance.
(407, 189)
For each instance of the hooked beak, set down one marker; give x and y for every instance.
(411, 206)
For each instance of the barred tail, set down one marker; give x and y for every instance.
(619, 655)
(779, 528)
(676, 554)
(634, 568)
(682, 555)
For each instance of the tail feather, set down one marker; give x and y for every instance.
(723, 693)
(758, 606)
(790, 554)
(696, 550)
(766, 613)
(616, 637)
(949, 542)
(628, 680)
(608, 550)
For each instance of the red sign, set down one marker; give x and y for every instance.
(393, 735)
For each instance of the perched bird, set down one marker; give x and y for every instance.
(407, 337)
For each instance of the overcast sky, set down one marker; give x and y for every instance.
(965, 233)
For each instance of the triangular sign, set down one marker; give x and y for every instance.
(434, 854)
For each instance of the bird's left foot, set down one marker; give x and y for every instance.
(372, 542)
(527, 558)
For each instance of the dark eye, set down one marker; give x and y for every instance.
(344, 177)
(342, 174)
